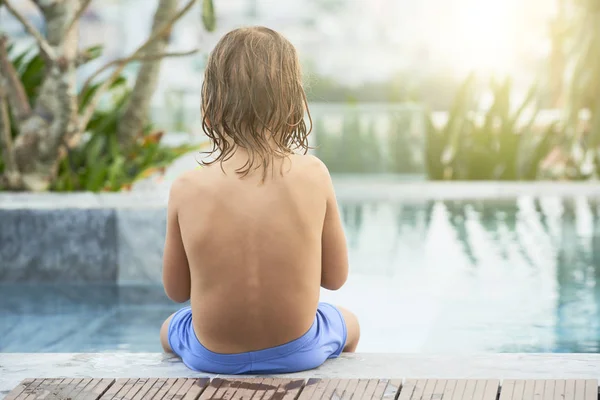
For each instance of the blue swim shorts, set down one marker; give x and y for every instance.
(325, 339)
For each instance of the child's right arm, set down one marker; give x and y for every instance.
(334, 257)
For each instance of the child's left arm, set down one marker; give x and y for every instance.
(176, 270)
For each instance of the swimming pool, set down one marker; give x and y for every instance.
(430, 276)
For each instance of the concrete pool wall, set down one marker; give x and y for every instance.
(118, 237)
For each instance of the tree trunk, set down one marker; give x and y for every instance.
(136, 112)
(12, 177)
(41, 143)
(48, 128)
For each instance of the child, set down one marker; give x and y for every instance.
(253, 235)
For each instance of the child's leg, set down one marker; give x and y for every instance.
(164, 335)
(352, 329)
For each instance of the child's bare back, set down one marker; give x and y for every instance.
(251, 238)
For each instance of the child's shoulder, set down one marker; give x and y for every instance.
(310, 163)
(311, 168)
(189, 182)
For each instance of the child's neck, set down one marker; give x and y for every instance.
(241, 157)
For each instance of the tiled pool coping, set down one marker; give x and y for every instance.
(348, 188)
(17, 366)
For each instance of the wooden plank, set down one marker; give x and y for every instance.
(175, 388)
(144, 389)
(49, 389)
(262, 389)
(459, 389)
(559, 389)
(120, 395)
(580, 389)
(56, 386)
(518, 390)
(369, 390)
(360, 389)
(479, 389)
(211, 389)
(196, 390)
(164, 389)
(330, 389)
(387, 389)
(307, 393)
(339, 390)
(79, 388)
(272, 388)
(233, 387)
(507, 389)
(438, 390)
(135, 388)
(570, 389)
(160, 382)
(247, 389)
(591, 389)
(46, 388)
(279, 385)
(469, 389)
(380, 389)
(69, 391)
(187, 385)
(314, 389)
(293, 389)
(419, 389)
(13, 394)
(96, 389)
(449, 389)
(38, 388)
(40, 391)
(114, 388)
(538, 390)
(491, 389)
(392, 390)
(350, 389)
(429, 387)
(549, 390)
(64, 390)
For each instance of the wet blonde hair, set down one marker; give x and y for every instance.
(252, 94)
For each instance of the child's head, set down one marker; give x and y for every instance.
(252, 97)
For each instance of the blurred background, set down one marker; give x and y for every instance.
(402, 93)
(383, 78)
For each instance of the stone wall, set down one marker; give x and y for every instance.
(81, 238)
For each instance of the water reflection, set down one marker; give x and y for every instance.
(513, 275)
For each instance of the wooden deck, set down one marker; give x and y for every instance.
(300, 389)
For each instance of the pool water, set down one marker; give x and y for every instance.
(434, 277)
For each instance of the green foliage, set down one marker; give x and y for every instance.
(435, 88)
(358, 148)
(98, 163)
(399, 143)
(208, 15)
(354, 150)
(498, 146)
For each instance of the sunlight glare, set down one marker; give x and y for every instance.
(485, 36)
